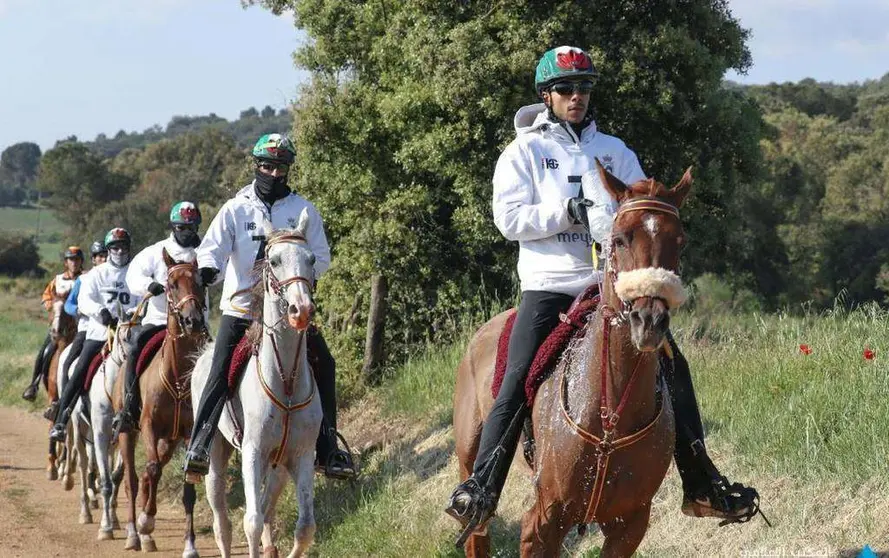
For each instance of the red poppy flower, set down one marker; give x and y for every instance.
(805, 349)
(868, 353)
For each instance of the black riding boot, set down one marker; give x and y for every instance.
(330, 459)
(74, 388)
(41, 363)
(707, 493)
(474, 500)
(127, 418)
(197, 457)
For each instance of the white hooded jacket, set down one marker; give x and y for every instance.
(236, 239)
(103, 287)
(544, 166)
(148, 267)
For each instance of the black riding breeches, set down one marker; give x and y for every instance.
(324, 370)
(76, 348)
(40, 363)
(231, 331)
(538, 315)
(77, 377)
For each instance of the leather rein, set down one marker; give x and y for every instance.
(607, 444)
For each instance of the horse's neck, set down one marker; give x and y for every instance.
(620, 362)
(282, 352)
(177, 348)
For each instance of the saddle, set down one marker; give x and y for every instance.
(149, 350)
(553, 347)
(94, 367)
(240, 357)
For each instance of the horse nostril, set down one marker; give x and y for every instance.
(636, 318)
(661, 321)
(293, 310)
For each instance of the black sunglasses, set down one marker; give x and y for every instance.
(267, 166)
(571, 87)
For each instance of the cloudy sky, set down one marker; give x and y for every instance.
(85, 67)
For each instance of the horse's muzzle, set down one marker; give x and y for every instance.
(649, 322)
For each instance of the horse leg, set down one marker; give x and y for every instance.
(274, 485)
(101, 443)
(52, 471)
(254, 467)
(220, 453)
(189, 495)
(116, 478)
(70, 453)
(303, 474)
(150, 478)
(85, 515)
(623, 535)
(543, 529)
(92, 475)
(127, 441)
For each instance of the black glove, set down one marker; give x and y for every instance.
(156, 289)
(105, 317)
(208, 275)
(577, 211)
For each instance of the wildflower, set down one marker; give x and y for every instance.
(868, 353)
(805, 349)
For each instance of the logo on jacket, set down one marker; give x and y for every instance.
(572, 60)
(549, 163)
(251, 226)
(608, 163)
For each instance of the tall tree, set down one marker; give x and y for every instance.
(411, 103)
(18, 172)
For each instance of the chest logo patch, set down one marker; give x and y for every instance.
(549, 163)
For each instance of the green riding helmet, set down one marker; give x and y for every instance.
(185, 213)
(117, 235)
(275, 147)
(564, 62)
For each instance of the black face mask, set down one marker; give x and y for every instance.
(187, 238)
(270, 188)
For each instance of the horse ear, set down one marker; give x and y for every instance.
(681, 190)
(613, 184)
(167, 259)
(303, 224)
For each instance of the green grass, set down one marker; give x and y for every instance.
(23, 326)
(50, 232)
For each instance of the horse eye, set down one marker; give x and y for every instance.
(275, 261)
(312, 259)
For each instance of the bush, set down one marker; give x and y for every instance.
(19, 255)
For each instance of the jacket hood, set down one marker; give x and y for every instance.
(535, 117)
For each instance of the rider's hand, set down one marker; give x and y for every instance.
(577, 210)
(156, 289)
(105, 317)
(208, 275)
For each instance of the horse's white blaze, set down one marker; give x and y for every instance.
(650, 223)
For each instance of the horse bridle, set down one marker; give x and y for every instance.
(176, 307)
(277, 286)
(646, 203)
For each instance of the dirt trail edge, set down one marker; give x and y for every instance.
(38, 518)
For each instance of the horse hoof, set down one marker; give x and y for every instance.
(105, 535)
(148, 544)
(86, 518)
(133, 543)
(190, 554)
(52, 474)
(69, 482)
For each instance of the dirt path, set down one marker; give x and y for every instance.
(38, 518)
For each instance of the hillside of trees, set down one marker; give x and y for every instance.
(401, 125)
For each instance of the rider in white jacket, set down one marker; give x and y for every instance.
(549, 198)
(147, 275)
(234, 242)
(104, 295)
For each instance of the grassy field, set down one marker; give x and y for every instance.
(41, 222)
(808, 431)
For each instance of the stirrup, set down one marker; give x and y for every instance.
(197, 464)
(339, 464)
(732, 503)
(471, 506)
(30, 393)
(58, 432)
(122, 423)
(50, 412)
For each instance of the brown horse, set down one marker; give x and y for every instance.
(603, 422)
(166, 405)
(62, 331)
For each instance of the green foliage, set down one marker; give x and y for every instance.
(412, 102)
(19, 256)
(18, 172)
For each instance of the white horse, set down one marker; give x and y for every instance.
(78, 448)
(101, 413)
(275, 403)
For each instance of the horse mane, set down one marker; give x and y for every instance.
(648, 187)
(257, 292)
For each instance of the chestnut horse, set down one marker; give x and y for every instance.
(62, 331)
(603, 422)
(166, 405)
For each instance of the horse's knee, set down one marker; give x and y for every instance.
(153, 470)
(253, 523)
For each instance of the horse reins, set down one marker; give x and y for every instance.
(607, 444)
